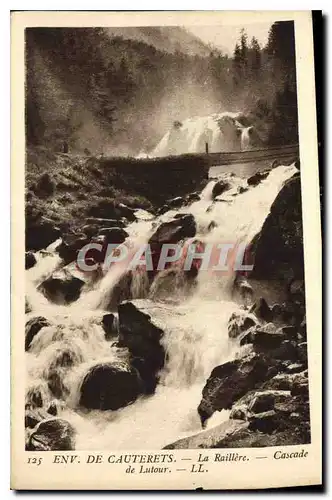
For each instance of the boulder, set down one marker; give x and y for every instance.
(262, 310)
(53, 408)
(139, 333)
(258, 401)
(109, 209)
(33, 416)
(286, 381)
(39, 234)
(177, 202)
(110, 386)
(99, 222)
(278, 251)
(232, 380)
(192, 197)
(30, 260)
(32, 327)
(52, 435)
(114, 235)
(258, 177)
(240, 322)
(266, 336)
(109, 324)
(211, 438)
(70, 246)
(62, 287)
(220, 187)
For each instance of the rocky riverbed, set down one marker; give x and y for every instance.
(134, 358)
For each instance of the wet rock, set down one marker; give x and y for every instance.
(62, 361)
(256, 402)
(52, 435)
(276, 310)
(139, 333)
(104, 222)
(262, 310)
(30, 260)
(239, 323)
(108, 209)
(286, 381)
(242, 189)
(289, 332)
(212, 225)
(109, 323)
(33, 416)
(53, 408)
(62, 287)
(192, 197)
(110, 386)
(70, 246)
(220, 187)
(303, 329)
(232, 380)
(258, 177)
(39, 234)
(182, 226)
(278, 250)
(114, 235)
(32, 327)
(212, 438)
(266, 337)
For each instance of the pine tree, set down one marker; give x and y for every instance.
(256, 59)
(244, 50)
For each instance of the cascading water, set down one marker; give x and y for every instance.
(217, 132)
(195, 337)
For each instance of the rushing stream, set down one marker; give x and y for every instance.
(195, 327)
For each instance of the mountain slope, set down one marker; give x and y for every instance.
(165, 38)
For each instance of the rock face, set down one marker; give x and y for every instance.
(220, 187)
(212, 438)
(110, 386)
(62, 287)
(52, 435)
(232, 380)
(278, 251)
(142, 337)
(105, 209)
(32, 327)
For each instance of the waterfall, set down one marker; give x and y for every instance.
(195, 327)
(217, 132)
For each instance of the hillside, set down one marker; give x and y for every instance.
(117, 91)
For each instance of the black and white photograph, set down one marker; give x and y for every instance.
(165, 219)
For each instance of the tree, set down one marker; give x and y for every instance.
(244, 50)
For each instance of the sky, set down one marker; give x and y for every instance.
(225, 37)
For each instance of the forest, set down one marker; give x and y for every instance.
(103, 94)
